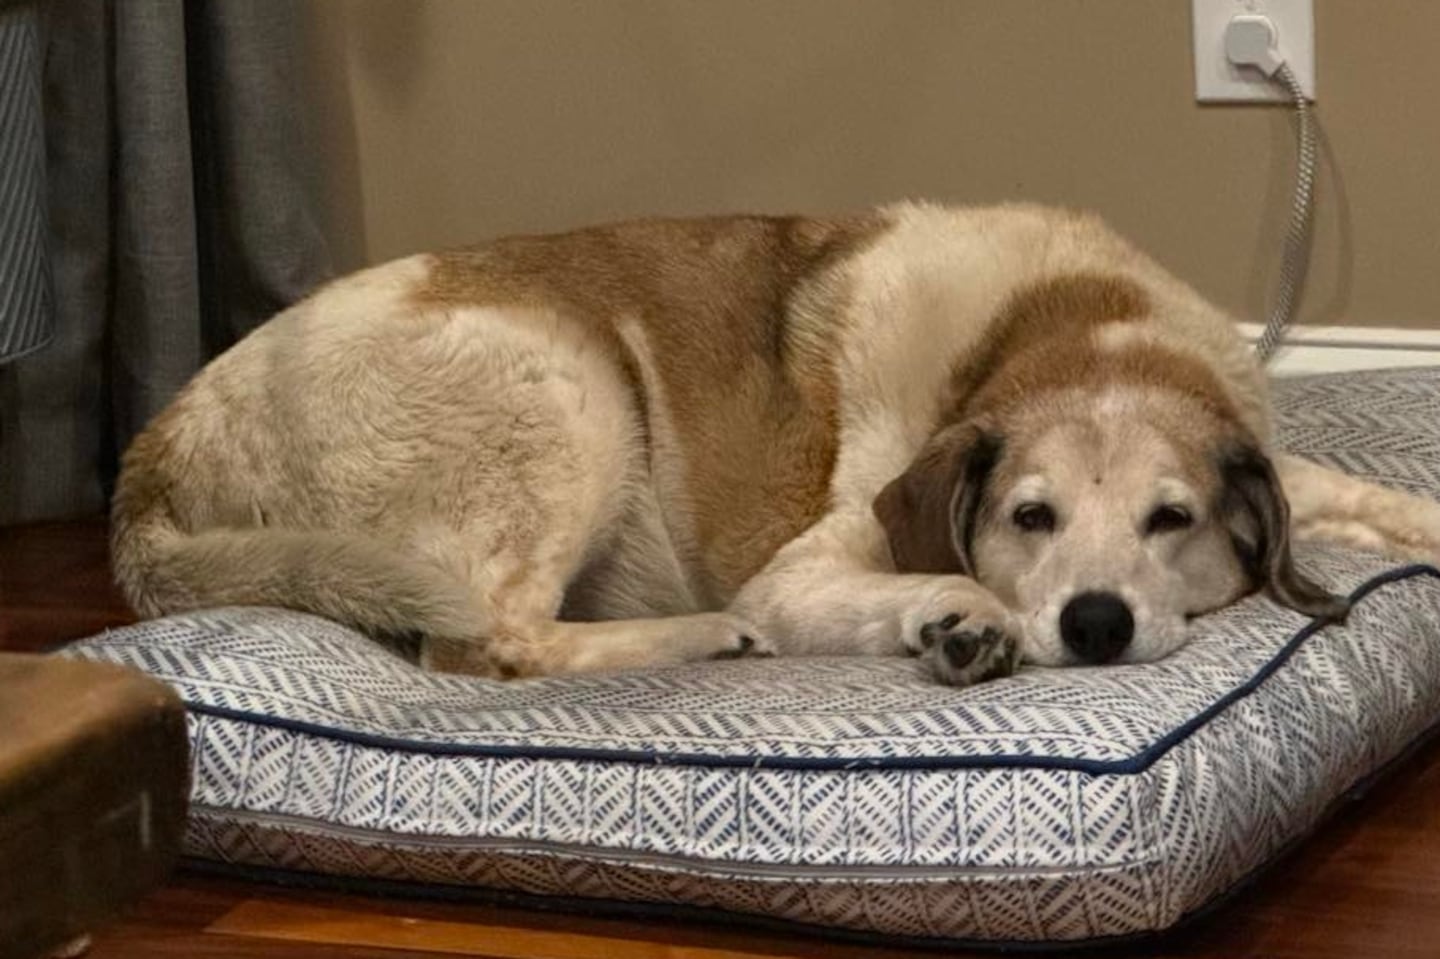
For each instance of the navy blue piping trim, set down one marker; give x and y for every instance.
(1137, 763)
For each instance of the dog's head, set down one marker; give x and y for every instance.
(1106, 522)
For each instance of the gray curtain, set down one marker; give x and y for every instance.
(26, 313)
(183, 212)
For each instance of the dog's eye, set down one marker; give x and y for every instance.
(1166, 519)
(1034, 517)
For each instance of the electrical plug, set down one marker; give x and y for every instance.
(1252, 41)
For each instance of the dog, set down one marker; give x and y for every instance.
(980, 436)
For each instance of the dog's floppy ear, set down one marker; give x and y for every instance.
(1258, 515)
(929, 511)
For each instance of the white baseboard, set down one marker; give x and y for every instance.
(1331, 349)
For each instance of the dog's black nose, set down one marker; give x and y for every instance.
(1097, 626)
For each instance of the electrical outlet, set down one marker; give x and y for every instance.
(1217, 80)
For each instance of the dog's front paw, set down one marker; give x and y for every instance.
(975, 640)
(963, 652)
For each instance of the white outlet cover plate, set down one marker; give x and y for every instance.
(1217, 80)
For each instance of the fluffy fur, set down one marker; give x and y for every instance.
(923, 430)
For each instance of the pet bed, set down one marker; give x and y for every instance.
(853, 794)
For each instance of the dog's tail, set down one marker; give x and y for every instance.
(380, 588)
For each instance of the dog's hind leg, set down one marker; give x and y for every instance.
(543, 487)
(521, 587)
(1330, 506)
(541, 647)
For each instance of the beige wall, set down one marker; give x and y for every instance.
(449, 121)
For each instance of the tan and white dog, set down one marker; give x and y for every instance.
(977, 435)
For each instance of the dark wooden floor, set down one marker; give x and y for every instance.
(1367, 885)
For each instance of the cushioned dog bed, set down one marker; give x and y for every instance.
(1064, 805)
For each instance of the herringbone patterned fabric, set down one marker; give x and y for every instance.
(1055, 805)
